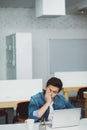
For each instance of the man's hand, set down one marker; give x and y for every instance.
(48, 96)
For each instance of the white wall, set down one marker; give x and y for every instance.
(23, 20)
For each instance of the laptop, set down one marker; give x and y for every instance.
(66, 117)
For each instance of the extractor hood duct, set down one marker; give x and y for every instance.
(46, 8)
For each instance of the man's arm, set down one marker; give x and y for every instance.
(48, 100)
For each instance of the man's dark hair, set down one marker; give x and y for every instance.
(55, 82)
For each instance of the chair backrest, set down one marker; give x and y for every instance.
(80, 93)
(22, 109)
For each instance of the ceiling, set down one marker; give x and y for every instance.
(17, 3)
(76, 6)
(72, 6)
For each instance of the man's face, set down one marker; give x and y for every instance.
(53, 90)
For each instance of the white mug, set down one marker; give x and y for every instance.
(30, 124)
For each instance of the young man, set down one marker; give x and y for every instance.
(42, 104)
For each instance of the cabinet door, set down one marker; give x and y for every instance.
(23, 55)
(11, 57)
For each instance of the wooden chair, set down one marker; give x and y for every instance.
(79, 100)
(21, 112)
(5, 114)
